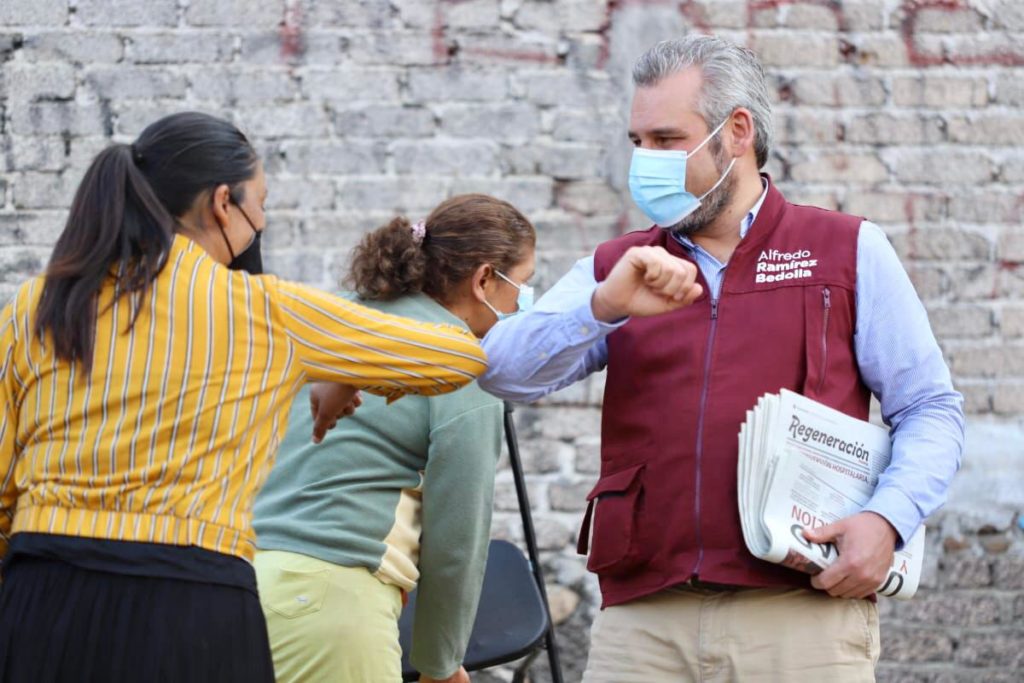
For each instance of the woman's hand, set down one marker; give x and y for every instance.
(459, 676)
(329, 402)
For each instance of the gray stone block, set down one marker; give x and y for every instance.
(1008, 571)
(391, 194)
(30, 153)
(177, 48)
(293, 192)
(571, 161)
(916, 645)
(333, 157)
(26, 82)
(454, 158)
(44, 190)
(543, 456)
(457, 83)
(505, 498)
(132, 116)
(94, 47)
(570, 496)
(230, 85)
(129, 82)
(232, 13)
(552, 534)
(512, 123)
(367, 84)
(964, 570)
(105, 13)
(473, 14)
(529, 194)
(377, 16)
(395, 48)
(34, 13)
(588, 197)
(383, 121)
(555, 87)
(58, 118)
(992, 649)
(301, 120)
(19, 263)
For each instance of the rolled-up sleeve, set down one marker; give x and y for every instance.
(902, 364)
(551, 346)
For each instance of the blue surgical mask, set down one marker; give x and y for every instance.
(657, 181)
(524, 301)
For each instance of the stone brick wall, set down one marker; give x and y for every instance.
(905, 111)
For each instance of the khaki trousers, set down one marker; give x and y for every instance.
(757, 635)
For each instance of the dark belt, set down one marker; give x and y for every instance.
(698, 586)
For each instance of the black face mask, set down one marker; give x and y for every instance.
(250, 259)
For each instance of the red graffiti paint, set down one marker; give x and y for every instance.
(689, 9)
(908, 31)
(694, 14)
(513, 55)
(835, 6)
(444, 49)
(437, 34)
(293, 44)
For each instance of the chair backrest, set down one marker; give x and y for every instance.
(511, 620)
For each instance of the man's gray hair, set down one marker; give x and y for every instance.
(733, 77)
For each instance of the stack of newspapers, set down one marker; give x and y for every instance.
(804, 465)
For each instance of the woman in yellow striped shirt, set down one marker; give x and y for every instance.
(144, 387)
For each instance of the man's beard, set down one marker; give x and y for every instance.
(712, 206)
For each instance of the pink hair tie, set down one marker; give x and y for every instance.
(419, 231)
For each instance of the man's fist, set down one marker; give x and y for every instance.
(646, 281)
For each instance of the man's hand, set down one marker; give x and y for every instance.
(459, 676)
(646, 281)
(866, 543)
(329, 403)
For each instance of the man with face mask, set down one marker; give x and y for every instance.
(793, 296)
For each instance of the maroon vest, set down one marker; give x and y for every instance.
(679, 386)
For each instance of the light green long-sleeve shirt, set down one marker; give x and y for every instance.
(404, 490)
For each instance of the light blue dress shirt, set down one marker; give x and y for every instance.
(559, 342)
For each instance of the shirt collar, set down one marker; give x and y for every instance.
(745, 224)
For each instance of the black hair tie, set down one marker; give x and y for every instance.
(136, 154)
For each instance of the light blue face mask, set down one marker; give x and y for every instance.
(657, 181)
(524, 301)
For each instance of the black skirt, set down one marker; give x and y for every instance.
(60, 622)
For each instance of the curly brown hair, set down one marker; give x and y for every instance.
(461, 234)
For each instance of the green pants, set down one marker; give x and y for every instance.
(327, 622)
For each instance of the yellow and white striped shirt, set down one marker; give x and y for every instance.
(171, 434)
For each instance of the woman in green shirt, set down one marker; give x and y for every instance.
(397, 495)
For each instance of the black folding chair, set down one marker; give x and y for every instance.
(513, 618)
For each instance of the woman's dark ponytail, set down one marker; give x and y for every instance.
(116, 221)
(124, 216)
